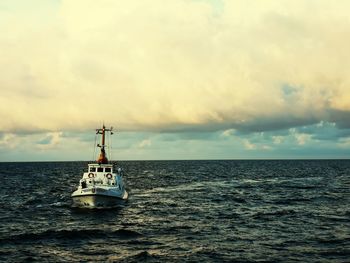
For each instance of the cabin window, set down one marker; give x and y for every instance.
(100, 169)
(107, 170)
(92, 169)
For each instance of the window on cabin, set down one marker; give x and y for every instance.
(108, 170)
(100, 169)
(92, 169)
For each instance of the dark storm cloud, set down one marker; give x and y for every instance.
(325, 131)
(270, 124)
(340, 117)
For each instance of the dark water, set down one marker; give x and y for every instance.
(181, 211)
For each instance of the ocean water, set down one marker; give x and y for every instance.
(181, 211)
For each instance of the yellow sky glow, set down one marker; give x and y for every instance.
(158, 64)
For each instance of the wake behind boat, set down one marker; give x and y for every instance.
(102, 185)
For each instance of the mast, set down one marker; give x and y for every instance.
(102, 159)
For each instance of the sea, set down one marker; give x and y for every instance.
(180, 211)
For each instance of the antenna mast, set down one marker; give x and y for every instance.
(102, 159)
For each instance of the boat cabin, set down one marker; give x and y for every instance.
(97, 168)
(100, 174)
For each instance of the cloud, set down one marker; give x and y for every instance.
(277, 139)
(50, 141)
(302, 138)
(227, 133)
(248, 145)
(127, 145)
(8, 140)
(174, 66)
(325, 131)
(145, 143)
(344, 143)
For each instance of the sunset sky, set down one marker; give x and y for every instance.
(178, 79)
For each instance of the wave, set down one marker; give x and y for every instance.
(264, 215)
(72, 234)
(289, 201)
(226, 211)
(333, 241)
(143, 256)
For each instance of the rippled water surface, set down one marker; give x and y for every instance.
(181, 211)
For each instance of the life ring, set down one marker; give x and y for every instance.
(109, 176)
(91, 175)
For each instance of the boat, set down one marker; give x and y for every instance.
(102, 185)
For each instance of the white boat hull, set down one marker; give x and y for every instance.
(98, 198)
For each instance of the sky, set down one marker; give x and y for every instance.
(177, 79)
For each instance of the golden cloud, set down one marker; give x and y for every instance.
(155, 64)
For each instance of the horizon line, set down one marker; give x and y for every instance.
(159, 160)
